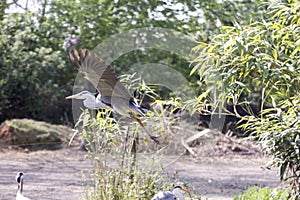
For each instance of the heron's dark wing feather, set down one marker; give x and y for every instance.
(99, 73)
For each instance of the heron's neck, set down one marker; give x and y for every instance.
(178, 194)
(90, 102)
(20, 187)
(94, 102)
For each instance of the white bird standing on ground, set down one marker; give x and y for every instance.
(111, 94)
(19, 179)
(176, 194)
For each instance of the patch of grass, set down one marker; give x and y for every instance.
(127, 184)
(259, 193)
(123, 168)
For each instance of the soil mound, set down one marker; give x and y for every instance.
(33, 135)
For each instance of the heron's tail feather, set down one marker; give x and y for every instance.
(144, 110)
(137, 109)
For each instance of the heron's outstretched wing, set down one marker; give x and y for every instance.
(100, 74)
(104, 78)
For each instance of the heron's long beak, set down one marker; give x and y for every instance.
(75, 96)
(187, 191)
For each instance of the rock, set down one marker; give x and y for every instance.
(33, 135)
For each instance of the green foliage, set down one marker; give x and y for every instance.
(279, 136)
(31, 72)
(255, 193)
(35, 72)
(259, 63)
(124, 183)
(256, 61)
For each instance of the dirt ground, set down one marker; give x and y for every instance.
(56, 175)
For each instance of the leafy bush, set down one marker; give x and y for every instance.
(260, 63)
(254, 63)
(117, 173)
(33, 73)
(279, 136)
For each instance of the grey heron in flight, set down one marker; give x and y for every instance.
(19, 179)
(176, 194)
(111, 94)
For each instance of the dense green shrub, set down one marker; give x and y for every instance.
(257, 62)
(34, 77)
(260, 63)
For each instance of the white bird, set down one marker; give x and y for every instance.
(111, 94)
(176, 194)
(91, 100)
(19, 179)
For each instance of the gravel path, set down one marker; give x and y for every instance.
(56, 175)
